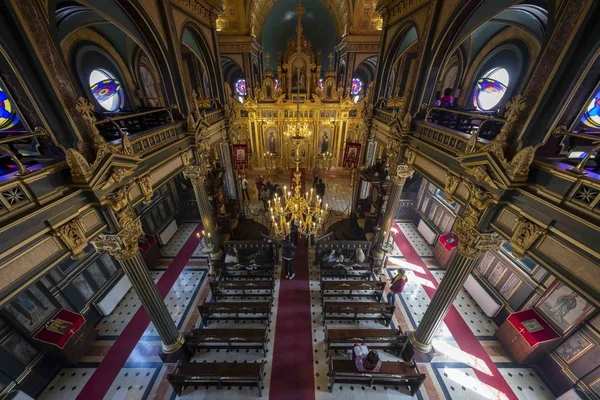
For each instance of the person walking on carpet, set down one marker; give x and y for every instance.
(397, 286)
(288, 252)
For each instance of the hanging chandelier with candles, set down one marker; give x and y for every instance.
(305, 212)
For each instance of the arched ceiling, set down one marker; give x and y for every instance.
(280, 28)
(260, 9)
(243, 17)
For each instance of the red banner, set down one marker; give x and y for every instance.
(351, 155)
(240, 156)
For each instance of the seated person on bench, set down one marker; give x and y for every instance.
(366, 360)
(335, 256)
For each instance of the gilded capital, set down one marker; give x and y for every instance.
(195, 173)
(123, 245)
(73, 236)
(403, 172)
(524, 235)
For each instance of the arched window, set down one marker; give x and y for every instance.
(106, 89)
(240, 87)
(591, 116)
(149, 87)
(8, 114)
(490, 89)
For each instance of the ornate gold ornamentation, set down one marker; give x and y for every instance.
(411, 156)
(519, 165)
(524, 235)
(451, 185)
(117, 175)
(73, 235)
(123, 245)
(406, 122)
(198, 10)
(145, 183)
(195, 173)
(119, 199)
(481, 174)
(471, 242)
(403, 172)
(513, 111)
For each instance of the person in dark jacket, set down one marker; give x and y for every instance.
(288, 252)
(397, 286)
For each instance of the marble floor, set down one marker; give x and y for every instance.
(453, 373)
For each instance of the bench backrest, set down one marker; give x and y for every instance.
(346, 247)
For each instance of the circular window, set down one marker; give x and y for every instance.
(106, 89)
(591, 117)
(356, 87)
(490, 89)
(240, 87)
(8, 116)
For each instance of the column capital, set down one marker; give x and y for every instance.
(403, 172)
(524, 235)
(124, 244)
(195, 173)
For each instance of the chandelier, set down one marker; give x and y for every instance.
(306, 212)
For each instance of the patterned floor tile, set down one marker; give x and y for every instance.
(67, 384)
(132, 384)
(422, 248)
(526, 384)
(184, 231)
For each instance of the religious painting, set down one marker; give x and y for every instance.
(510, 286)
(351, 155)
(574, 347)
(596, 386)
(565, 308)
(299, 75)
(240, 156)
(484, 263)
(532, 325)
(325, 135)
(83, 286)
(31, 308)
(20, 348)
(497, 274)
(97, 274)
(271, 142)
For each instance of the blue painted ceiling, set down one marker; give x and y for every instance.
(280, 27)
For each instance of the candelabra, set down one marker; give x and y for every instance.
(270, 162)
(207, 246)
(325, 159)
(387, 247)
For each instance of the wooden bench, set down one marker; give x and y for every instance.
(236, 311)
(247, 270)
(344, 339)
(227, 339)
(351, 287)
(216, 374)
(391, 374)
(349, 311)
(224, 288)
(346, 270)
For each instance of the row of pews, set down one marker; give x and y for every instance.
(243, 292)
(352, 292)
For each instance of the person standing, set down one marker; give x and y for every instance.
(245, 188)
(397, 286)
(321, 189)
(288, 252)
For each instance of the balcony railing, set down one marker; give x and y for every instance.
(114, 127)
(385, 116)
(482, 125)
(580, 154)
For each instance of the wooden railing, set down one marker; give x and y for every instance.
(114, 127)
(144, 142)
(214, 116)
(384, 115)
(453, 141)
(482, 125)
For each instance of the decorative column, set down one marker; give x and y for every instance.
(403, 172)
(197, 175)
(471, 245)
(124, 247)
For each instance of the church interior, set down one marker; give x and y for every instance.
(299, 199)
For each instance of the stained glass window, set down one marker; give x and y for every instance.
(277, 84)
(591, 117)
(240, 87)
(321, 83)
(106, 89)
(356, 87)
(490, 89)
(8, 115)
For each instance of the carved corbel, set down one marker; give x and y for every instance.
(411, 156)
(481, 174)
(452, 182)
(145, 184)
(524, 235)
(73, 236)
(514, 108)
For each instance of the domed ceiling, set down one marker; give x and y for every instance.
(280, 26)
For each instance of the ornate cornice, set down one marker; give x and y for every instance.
(200, 10)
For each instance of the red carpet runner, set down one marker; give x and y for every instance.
(292, 371)
(109, 368)
(465, 339)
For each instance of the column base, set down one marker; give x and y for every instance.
(177, 351)
(422, 353)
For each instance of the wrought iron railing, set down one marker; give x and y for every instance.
(406, 210)
(586, 152)
(8, 142)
